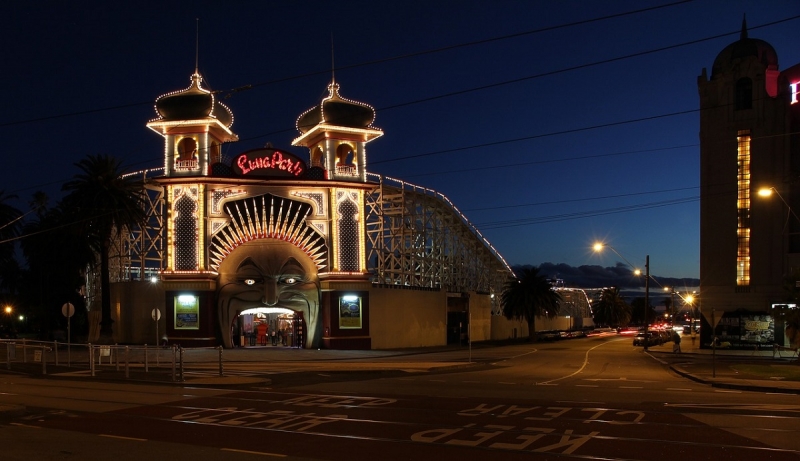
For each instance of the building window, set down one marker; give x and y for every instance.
(744, 94)
(743, 205)
(185, 234)
(348, 237)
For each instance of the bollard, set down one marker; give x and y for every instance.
(44, 360)
(145, 358)
(91, 358)
(180, 370)
(8, 355)
(115, 355)
(24, 352)
(127, 362)
(220, 361)
(55, 350)
(173, 363)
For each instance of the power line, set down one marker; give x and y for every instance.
(583, 214)
(230, 92)
(584, 199)
(506, 141)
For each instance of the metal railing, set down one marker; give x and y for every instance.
(100, 357)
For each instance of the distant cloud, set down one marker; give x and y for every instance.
(594, 276)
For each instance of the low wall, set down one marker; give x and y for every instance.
(403, 318)
(132, 304)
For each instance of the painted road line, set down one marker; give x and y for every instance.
(262, 453)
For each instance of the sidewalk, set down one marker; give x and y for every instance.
(722, 368)
(225, 367)
(726, 369)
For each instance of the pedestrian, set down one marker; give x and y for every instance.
(676, 338)
(274, 338)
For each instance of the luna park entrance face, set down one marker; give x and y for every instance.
(268, 327)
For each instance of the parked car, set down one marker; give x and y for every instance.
(653, 339)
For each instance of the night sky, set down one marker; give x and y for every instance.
(549, 124)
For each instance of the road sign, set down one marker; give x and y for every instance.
(68, 310)
(156, 314)
(713, 319)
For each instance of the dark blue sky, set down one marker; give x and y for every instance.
(571, 129)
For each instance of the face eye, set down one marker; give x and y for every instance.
(249, 281)
(289, 281)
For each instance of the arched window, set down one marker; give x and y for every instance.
(344, 155)
(216, 152)
(345, 160)
(187, 149)
(744, 94)
(348, 236)
(316, 157)
(187, 154)
(185, 234)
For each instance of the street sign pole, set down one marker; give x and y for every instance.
(68, 310)
(156, 314)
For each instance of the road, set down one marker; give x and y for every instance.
(596, 398)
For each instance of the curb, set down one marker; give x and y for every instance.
(728, 385)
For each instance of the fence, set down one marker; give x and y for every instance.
(94, 357)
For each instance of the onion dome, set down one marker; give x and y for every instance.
(337, 111)
(193, 103)
(743, 48)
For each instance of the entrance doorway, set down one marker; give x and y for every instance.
(268, 327)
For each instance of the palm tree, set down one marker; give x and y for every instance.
(529, 296)
(611, 309)
(105, 203)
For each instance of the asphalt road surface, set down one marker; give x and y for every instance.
(595, 398)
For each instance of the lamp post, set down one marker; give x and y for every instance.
(672, 299)
(599, 247)
(766, 192)
(690, 301)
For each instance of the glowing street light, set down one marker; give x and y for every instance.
(599, 247)
(767, 191)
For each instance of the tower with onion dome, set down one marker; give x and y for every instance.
(336, 132)
(194, 124)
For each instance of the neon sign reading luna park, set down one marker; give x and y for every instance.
(268, 162)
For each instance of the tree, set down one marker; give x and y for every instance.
(104, 203)
(529, 296)
(611, 309)
(57, 255)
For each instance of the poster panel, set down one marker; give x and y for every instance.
(350, 311)
(187, 312)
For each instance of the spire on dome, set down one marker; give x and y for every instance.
(744, 27)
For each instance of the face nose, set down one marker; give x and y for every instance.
(270, 297)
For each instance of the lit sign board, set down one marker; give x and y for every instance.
(793, 86)
(350, 311)
(268, 162)
(187, 312)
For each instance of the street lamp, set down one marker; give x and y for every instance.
(767, 191)
(599, 247)
(672, 299)
(690, 301)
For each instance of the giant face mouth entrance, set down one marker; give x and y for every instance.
(267, 326)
